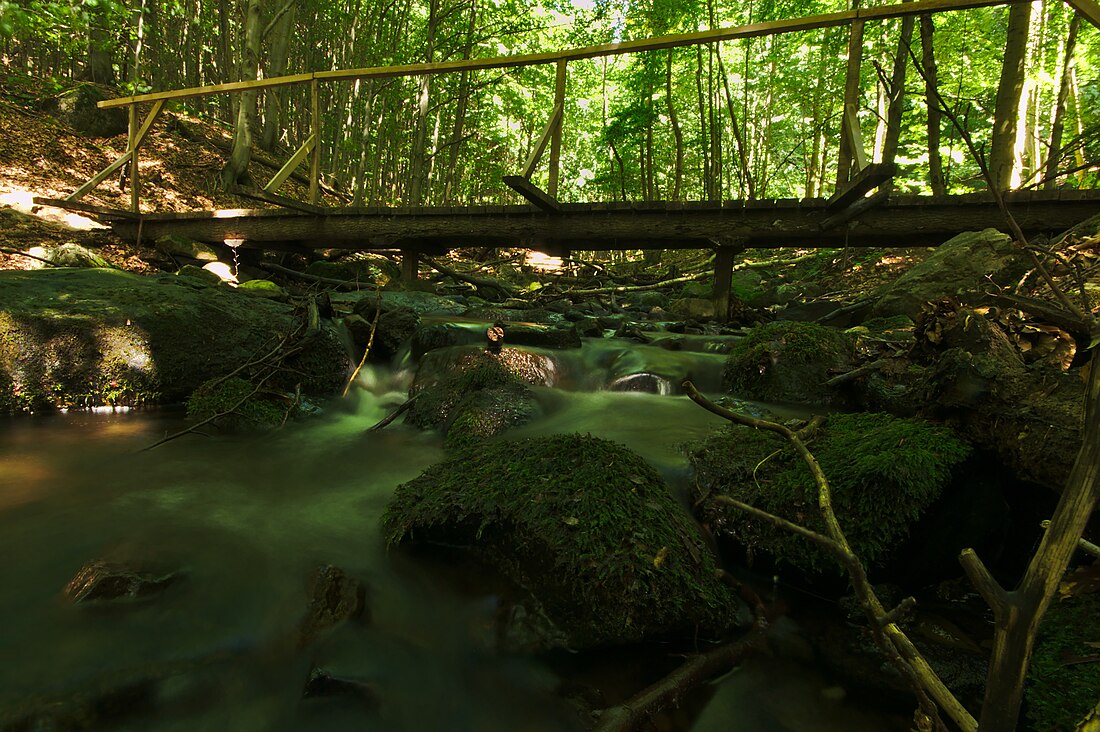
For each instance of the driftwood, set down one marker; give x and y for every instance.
(619, 289)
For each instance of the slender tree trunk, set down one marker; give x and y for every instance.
(704, 133)
(897, 96)
(236, 168)
(1002, 151)
(275, 100)
(677, 133)
(1058, 126)
(745, 177)
(138, 21)
(225, 101)
(418, 158)
(931, 93)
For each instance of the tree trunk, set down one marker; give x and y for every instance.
(99, 65)
(745, 174)
(677, 133)
(450, 174)
(931, 93)
(1057, 127)
(418, 156)
(704, 134)
(225, 101)
(1002, 153)
(897, 96)
(275, 99)
(1019, 612)
(236, 168)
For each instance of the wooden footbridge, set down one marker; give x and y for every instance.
(856, 215)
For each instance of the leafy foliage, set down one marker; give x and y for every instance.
(884, 472)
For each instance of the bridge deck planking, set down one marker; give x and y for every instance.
(904, 220)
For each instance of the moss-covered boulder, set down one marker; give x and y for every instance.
(236, 403)
(788, 361)
(962, 264)
(395, 327)
(587, 527)
(88, 337)
(884, 472)
(473, 395)
(1060, 694)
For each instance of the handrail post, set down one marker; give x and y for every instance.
(132, 144)
(315, 130)
(555, 139)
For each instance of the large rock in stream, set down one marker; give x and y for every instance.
(585, 526)
(966, 263)
(87, 337)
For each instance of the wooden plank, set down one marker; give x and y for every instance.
(540, 146)
(855, 137)
(291, 165)
(100, 177)
(555, 141)
(102, 212)
(854, 211)
(752, 30)
(532, 193)
(870, 177)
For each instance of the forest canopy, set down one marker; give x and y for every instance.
(751, 118)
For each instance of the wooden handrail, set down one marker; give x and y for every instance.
(752, 30)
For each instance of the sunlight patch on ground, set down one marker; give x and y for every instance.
(22, 200)
(542, 262)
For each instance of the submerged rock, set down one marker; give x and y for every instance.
(788, 362)
(585, 526)
(103, 581)
(334, 598)
(884, 473)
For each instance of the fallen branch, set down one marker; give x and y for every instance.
(295, 274)
(18, 253)
(890, 639)
(370, 342)
(619, 289)
(858, 372)
(633, 713)
(385, 421)
(484, 285)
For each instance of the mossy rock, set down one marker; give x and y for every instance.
(584, 525)
(265, 289)
(787, 361)
(1059, 695)
(476, 396)
(883, 471)
(89, 337)
(239, 404)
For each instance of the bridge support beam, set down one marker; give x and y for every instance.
(410, 264)
(724, 255)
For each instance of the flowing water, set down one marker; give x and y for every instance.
(247, 518)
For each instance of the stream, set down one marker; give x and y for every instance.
(246, 518)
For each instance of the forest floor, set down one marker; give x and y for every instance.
(181, 163)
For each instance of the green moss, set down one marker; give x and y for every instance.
(221, 397)
(584, 524)
(785, 361)
(1058, 694)
(883, 471)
